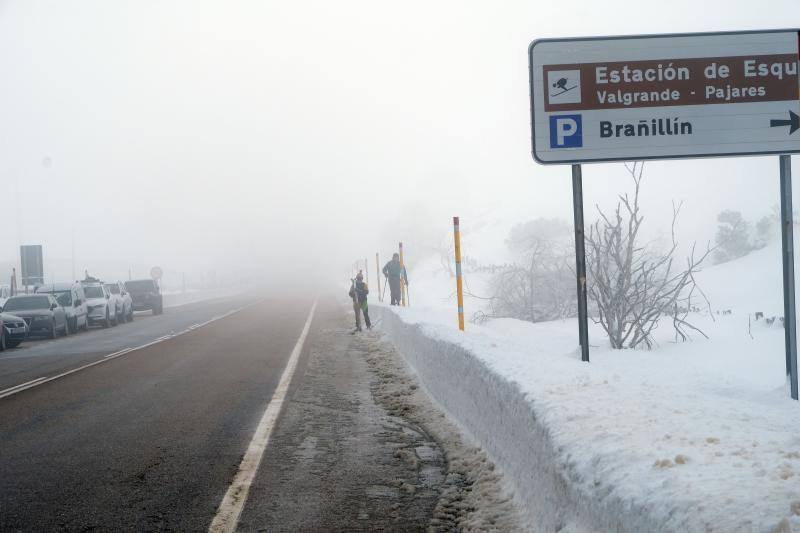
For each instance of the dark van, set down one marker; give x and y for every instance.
(146, 294)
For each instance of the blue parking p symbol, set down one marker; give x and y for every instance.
(566, 131)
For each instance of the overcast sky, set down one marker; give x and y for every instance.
(294, 136)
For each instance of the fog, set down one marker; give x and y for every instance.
(273, 140)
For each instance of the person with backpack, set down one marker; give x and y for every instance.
(358, 292)
(394, 271)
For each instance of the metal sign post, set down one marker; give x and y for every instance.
(580, 261)
(787, 241)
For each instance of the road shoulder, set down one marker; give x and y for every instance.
(360, 447)
(472, 498)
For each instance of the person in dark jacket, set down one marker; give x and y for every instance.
(358, 292)
(393, 271)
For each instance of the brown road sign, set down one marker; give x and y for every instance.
(665, 96)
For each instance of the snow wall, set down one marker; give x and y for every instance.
(495, 414)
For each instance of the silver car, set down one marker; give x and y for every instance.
(70, 296)
(122, 301)
(102, 311)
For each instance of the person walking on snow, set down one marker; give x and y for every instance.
(393, 271)
(358, 292)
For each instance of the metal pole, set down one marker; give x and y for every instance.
(378, 275)
(366, 270)
(580, 261)
(459, 289)
(787, 238)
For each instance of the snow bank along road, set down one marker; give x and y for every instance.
(636, 442)
(153, 439)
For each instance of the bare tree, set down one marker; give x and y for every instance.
(631, 284)
(733, 237)
(445, 250)
(538, 285)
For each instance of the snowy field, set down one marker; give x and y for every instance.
(691, 436)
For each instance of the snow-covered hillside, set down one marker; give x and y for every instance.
(748, 284)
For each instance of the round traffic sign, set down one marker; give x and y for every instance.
(156, 272)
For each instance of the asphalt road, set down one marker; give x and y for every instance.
(151, 440)
(148, 441)
(39, 358)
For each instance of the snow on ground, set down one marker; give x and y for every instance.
(693, 436)
(749, 284)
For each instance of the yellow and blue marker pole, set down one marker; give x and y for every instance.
(459, 287)
(402, 277)
(378, 275)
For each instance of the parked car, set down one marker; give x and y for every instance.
(124, 303)
(71, 297)
(101, 310)
(146, 294)
(13, 331)
(41, 313)
(115, 304)
(5, 294)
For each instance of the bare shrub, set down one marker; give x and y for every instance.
(634, 285)
(539, 285)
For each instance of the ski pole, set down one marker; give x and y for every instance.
(386, 282)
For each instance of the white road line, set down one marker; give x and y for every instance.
(229, 511)
(126, 350)
(41, 381)
(22, 386)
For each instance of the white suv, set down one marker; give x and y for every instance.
(98, 300)
(123, 302)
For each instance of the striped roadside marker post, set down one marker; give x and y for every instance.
(378, 275)
(402, 277)
(459, 288)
